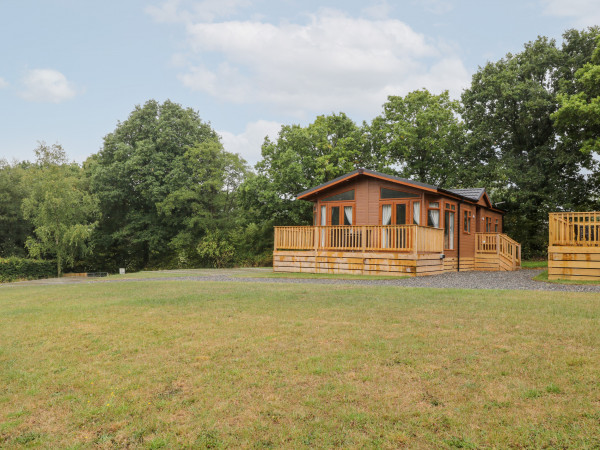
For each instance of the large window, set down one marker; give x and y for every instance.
(395, 213)
(449, 212)
(348, 195)
(433, 215)
(392, 193)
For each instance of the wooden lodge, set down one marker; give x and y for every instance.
(367, 222)
(574, 246)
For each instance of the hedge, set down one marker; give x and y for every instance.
(14, 268)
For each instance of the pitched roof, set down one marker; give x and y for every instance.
(470, 193)
(357, 172)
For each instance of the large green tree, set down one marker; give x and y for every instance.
(422, 135)
(300, 158)
(578, 118)
(60, 208)
(14, 229)
(157, 178)
(508, 110)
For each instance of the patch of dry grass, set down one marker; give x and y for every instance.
(167, 364)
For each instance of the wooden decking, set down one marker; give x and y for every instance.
(385, 250)
(574, 246)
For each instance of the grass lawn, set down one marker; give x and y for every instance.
(174, 364)
(544, 277)
(534, 264)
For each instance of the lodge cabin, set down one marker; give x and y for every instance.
(366, 222)
(574, 246)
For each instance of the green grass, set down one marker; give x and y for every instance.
(211, 365)
(534, 264)
(544, 277)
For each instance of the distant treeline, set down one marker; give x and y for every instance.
(164, 193)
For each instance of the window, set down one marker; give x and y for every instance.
(386, 214)
(496, 226)
(347, 215)
(335, 215)
(400, 213)
(348, 195)
(488, 224)
(433, 215)
(416, 213)
(391, 193)
(467, 222)
(449, 226)
(323, 216)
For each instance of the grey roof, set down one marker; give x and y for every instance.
(470, 193)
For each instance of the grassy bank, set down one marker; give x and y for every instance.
(167, 364)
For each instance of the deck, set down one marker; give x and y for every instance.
(574, 246)
(385, 250)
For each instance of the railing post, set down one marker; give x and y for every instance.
(363, 237)
(497, 244)
(316, 238)
(416, 239)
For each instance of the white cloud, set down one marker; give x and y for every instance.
(584, 12)
(333, 62)
(3, 83)
(46, 85)
(248, 144)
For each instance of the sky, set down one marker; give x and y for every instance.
(70, 70)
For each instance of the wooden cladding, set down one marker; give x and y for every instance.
(574, 229)
(404, 238)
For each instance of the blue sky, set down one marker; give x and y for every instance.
(70, 70)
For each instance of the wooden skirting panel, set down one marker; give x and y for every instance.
(363, 263)
(392, 264)
(574, 263)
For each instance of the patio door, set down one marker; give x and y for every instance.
(394, 213)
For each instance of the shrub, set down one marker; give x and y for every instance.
(14, 268)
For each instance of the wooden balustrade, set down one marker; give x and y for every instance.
(574, 229)
(405, 238)
(500, 244)
(430, 240)
(486, 243)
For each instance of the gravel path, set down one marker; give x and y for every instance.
(520, 280)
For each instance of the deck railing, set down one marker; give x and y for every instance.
(574, 229)
(404, 238)
(500, 244)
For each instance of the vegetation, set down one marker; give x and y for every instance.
(14, 268)
(164, 193)
(175, 364)
(544, 277)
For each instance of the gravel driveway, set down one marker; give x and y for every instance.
(520, 280)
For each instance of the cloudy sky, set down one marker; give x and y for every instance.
(71, 69)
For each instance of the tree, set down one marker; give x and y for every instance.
(578, 118)
(59, 207)
(422, 135)
(156, 183)
(207, 201)
(14, 229)
(508, 110)
(300, 158)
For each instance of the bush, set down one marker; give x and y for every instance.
(14, 268)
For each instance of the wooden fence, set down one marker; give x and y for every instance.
(405, 238)
(574, 229)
